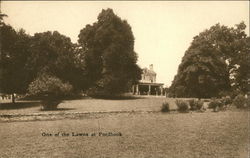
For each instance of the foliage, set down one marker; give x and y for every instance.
(195, 104)
(240, 101)
(14, 55)
(165, 107)
(48, 85)
(182, 105)
(215, 104)
(52, 52)
(23, 57)
(240, 61)
(107, 51)
(234, 93)
(212, 63)
(192, 104)
(226, 100)
(50, 89)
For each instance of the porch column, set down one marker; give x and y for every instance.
(137, 89)
(149, 89)
(133, 89)
(161, 90)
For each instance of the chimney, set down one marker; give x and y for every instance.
(151, 67)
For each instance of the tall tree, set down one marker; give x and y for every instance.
(107, 47)
(14, 54)
(207, 65)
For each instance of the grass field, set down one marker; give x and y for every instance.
(90, 105)
(175, 135)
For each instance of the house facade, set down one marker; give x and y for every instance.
(148, 85)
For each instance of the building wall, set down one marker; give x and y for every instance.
(148, 75)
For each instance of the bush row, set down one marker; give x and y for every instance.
(239, 101)
(183, 106)
(216, 104)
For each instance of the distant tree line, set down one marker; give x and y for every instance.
(217, 63)
(102, 62)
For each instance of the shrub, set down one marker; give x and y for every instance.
(235, 93)
(192, 104)
(215, 104)
(165, 107)
(195, 104)
(182, 105)
(226, 100)
(240, 101)
(50, 90)
(200, 105)
(211, 103)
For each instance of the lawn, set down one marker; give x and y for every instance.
(151, 134)
(91, 105)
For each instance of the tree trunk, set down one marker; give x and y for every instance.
(13, 98)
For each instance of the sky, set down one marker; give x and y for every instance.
(163, 30)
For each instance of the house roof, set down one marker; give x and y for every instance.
(147, 71)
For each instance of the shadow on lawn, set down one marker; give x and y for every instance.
(73, 97)
(59, 109)
(116, 97)
(80, 96)
(19, 105)
(28, 104)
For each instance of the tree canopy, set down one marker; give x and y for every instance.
(104, 59)
(14, 55)
(53, 53)
(108, 51)
(208, 65)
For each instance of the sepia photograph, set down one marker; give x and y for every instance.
(124, 79)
